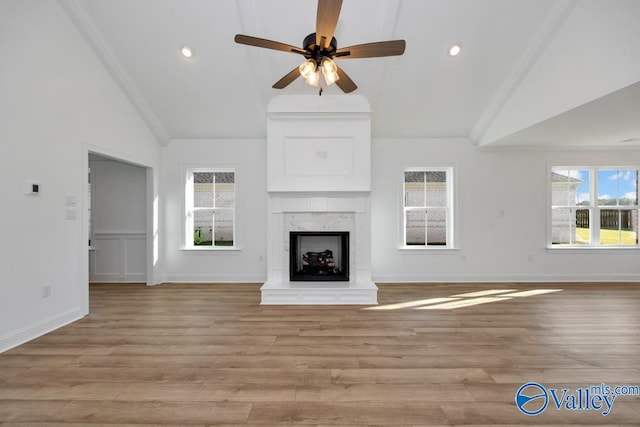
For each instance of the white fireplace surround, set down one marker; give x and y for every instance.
(319, 179)
(290, 212)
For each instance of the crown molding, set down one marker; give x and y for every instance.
(87, 29)
(530, 56)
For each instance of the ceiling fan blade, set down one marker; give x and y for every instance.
(372, 50)
(287, 79)
(267, 44)
(344, 82)
(326, 21)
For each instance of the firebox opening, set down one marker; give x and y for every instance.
(319, 256)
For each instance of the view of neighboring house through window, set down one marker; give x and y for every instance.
(427, 207)
(210, 207)
(594, 206)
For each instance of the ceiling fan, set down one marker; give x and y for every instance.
(320, 49)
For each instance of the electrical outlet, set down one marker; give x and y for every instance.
(46, 290)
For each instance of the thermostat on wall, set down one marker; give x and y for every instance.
(31, 188)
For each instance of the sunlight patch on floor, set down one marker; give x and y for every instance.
(532, 292)
(409, 304)
(464, 300)
(463, 303)
(484, 293)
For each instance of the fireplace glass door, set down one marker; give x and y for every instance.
(319, 256)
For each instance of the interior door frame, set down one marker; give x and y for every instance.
(151, 218)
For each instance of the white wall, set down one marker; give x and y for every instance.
(248, 264)
(119, 222)
(502, 208)
(57, 102)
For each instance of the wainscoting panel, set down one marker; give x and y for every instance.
(118, 257)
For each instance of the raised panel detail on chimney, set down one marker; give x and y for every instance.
(319, 145)
(318, 157)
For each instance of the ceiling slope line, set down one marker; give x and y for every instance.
(388, 31)
(250, 25)
(530, 56)
(87, 29)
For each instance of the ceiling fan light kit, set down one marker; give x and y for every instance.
(307, 68)
(329, 71)
(321, 48)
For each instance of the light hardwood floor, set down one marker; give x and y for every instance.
(427, 355)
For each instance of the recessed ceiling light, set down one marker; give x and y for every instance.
(186, 51)
(455, 50)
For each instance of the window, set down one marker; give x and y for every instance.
(210, 208)
(428, 210)
(594, 207)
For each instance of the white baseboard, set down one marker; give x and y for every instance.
(21, 336)
(113, 278)
(224, 278)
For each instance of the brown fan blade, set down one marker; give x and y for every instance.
(267, 44)
(372, 50)
(344, 82)
(287, 79)
(326, 21)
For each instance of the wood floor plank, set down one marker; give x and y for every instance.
(412, 362)
(556, 375)
(410, 376)
(80, 391)
(248, 392)
(384, 393)
(30, 410)
(157, 391)
(347, 413)
(277, 376)
(158, 412)
(70, 349)
(204, 354)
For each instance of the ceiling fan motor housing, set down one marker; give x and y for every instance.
(316, 52)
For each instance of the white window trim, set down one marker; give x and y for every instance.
(187, 224)
(452, 215)
(594, 214)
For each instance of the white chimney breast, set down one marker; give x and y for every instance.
(319, 179)
(319, 144)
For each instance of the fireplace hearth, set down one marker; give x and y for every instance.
(319, 256)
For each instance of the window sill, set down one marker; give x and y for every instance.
(427, 248)
(211, 249)
(577, 249)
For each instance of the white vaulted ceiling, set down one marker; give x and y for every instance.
(530, 71)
